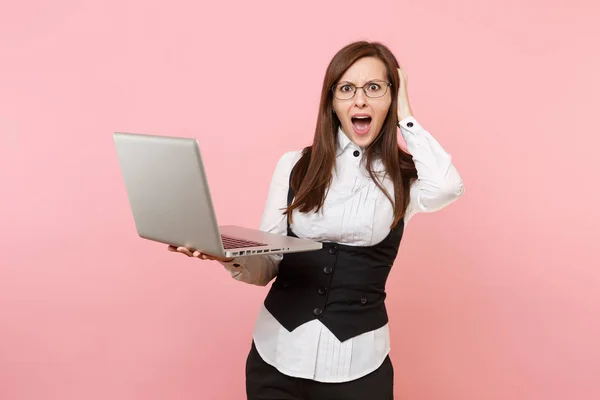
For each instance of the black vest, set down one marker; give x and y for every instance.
(343, 286)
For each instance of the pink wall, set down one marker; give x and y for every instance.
(496, 297)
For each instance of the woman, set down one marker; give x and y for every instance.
(322, 332)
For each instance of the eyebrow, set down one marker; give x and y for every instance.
(370, 80)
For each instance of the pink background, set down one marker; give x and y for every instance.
(495, 297)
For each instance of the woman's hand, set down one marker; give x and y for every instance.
(197, 254)
(404, 109)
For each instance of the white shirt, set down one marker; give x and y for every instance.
(355, 212)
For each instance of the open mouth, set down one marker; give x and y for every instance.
(361, 124)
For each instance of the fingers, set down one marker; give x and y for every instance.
(182, 250)
(196, 254)
(185, 251)
(204, 256)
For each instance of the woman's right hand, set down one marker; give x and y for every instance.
(197, 254)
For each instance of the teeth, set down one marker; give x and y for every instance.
(361, 117)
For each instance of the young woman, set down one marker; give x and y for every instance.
(322, 331)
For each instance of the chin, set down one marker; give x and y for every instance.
(365, 139)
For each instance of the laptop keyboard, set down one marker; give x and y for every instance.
(235, 243)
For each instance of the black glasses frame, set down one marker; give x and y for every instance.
(386, 84)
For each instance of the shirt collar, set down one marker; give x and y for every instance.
(343, 142)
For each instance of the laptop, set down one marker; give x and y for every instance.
(170, 200)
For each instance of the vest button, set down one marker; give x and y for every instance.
(317, 311)
(327, 270)
(322, 290)
(363, 300)
(332, 250)
(286, 284)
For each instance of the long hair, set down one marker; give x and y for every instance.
(312, 174)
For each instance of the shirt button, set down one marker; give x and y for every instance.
(327, 270)
(356, 153)
(322, 290)
(332, 250)
(317, 311)
(363, 300)
(409, 124)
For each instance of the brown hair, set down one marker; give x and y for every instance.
(312, 174)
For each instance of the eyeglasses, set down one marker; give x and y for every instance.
(372, 89)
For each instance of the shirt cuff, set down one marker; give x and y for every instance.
(234, 266)
(410, 125)
(236, 263)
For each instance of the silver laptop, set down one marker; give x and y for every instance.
(171, 203)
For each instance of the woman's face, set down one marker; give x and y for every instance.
(362, 116)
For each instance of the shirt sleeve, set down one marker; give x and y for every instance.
(261, 269)
(438, 183)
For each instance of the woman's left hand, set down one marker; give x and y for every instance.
(404, 109)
